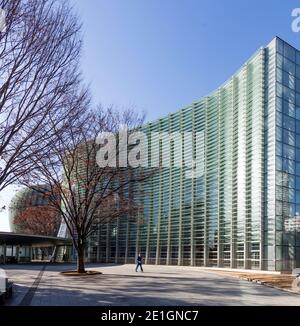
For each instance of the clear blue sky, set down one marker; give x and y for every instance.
(160, 55)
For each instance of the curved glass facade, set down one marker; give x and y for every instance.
(241, 208)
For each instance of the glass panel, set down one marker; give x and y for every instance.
(288, 80)
(279, 104)
(298, 113)
(288, 123)
(288, 94)
(292, 195)
(298, 72)
(289, 166)
(297, 183)
(288, 137)
(279, 178)
(297, 126)
(280, 61)
(298, 85)
(279, 191)
(298, 197)
(288, 152)
(289, 52)
(297, 99)
(289, 66)
(298, 57)
(279, 90)
(291, 181)
(288, 108)
(280, 47)
(279, 134)
(279, 119)
(298, 155)
(280, 75)
(279, 163)
(278, 149)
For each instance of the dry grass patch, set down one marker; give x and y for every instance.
(282, 281)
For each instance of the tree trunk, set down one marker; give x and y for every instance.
(80, 259)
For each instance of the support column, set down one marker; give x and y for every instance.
(219, 245)
(158, 253)
(127, 240)
(148, 233)
(169, 233)
(99, 240)
(171, 164)
(117, 241)
(193, 176)
(180, 199)
(30, 254)
(205, 262)
(137, 242)
(180, 226)
(157, 258)
(17, 253)
(4, 253)
(247, 142)
(233, 175)
(107, 243)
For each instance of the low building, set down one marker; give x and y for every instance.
(22, 248)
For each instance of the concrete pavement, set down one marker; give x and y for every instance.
(121, 285)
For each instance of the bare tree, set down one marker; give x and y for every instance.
(39, 220)
(82, 192)
(39, 55)
(47, 134)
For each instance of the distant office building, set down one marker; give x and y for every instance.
(238, 189)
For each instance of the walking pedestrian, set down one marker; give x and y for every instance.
(139, 263)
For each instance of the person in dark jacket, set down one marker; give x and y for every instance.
(139, 262)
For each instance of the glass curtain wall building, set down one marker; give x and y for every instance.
(242, 207)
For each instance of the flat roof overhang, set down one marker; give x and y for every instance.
(10, 238)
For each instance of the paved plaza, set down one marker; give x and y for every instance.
(41, 285)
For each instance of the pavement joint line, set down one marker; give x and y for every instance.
(27, 299)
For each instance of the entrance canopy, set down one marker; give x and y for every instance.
(14, 239)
